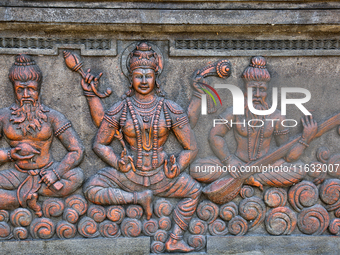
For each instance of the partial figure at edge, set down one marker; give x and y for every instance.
(29, 128)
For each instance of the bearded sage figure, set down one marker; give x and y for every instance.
(142, 122)
(29, 128)
(253, 143)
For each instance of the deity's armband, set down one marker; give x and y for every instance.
(181, 122)
(62, 129)
(113, 123)
(116, 116)
(174, 116)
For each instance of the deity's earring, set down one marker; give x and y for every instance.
(158, 88)
(130, 91)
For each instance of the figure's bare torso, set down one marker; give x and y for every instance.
(151, 123)
(130, 136)
(39, 140)
(252, 143)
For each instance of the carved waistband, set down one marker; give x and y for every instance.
(147, 173)
(33, 171)
(146, 178)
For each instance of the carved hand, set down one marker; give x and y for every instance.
(124, 163)
(196, 83)
(236, 163)
(90, 81)
(49, 177)
(173, 170)
(310, 128)
(23, 151)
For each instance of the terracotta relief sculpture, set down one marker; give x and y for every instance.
(142, 122)
(132, 196)
(29, 127)
(253, 143)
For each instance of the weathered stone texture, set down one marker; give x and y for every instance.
(300, 42)
(119, 246)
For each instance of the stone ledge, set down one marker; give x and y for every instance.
(150, 20)
(273, 245)
(179, 4)
(169, 17)
(140, 245)
(284, 245)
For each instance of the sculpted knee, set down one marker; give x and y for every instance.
(76, 176)
(92, 189)
(198, 174)
(195, 173)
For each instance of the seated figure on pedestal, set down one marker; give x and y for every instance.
(29, 128)
(142, 122)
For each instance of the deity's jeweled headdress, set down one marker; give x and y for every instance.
(143, 57)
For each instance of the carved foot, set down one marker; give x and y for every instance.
(145, 200)
(173, 245)
(251, 181)
(32, 202)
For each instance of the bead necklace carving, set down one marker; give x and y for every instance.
(137, 126)
(257, 156)
(138, 133)
(123, 116)
(167, 117)
(155, 134)
(142, 105)
(145, 113)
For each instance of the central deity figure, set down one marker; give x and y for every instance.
(142, 122)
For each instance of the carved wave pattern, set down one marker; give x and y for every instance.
(280, 211)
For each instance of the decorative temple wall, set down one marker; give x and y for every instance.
(54, 197)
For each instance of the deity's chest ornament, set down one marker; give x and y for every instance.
(146, 130)
(145, 110)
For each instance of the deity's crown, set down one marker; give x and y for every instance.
(143, 57)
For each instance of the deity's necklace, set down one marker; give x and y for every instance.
(142, 105)
(154, 125)
(145, 110)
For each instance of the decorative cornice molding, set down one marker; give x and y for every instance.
(50, 46)
(255, 47)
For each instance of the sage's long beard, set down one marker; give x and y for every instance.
(251, 116)
(28, 117)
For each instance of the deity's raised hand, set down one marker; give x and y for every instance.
(310, 128)
(197, 83)
(90, 81)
